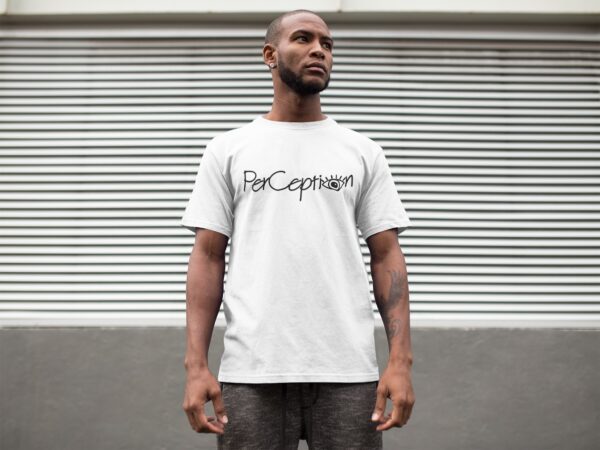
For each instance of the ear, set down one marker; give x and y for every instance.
(269, 53)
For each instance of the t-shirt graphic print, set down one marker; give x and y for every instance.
(290, 196)
(334, 182)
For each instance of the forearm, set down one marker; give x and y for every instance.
(204, 292)
(390, 283)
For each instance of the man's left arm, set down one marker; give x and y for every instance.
(390, 284)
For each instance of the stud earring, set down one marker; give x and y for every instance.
(272, 65)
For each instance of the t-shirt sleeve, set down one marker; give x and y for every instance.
(211, 202)
(379, 207)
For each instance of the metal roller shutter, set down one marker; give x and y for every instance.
(492, 136)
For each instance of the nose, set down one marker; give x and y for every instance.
(318, 50)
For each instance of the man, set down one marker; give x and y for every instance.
(289, 189)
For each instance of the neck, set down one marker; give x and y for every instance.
(294, 108)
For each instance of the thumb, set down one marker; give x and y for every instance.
(379, 406)
(219, 407)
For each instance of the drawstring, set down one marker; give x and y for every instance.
(314, 395)
(314, 389)
(283, 411)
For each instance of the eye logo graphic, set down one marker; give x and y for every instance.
(333, 183)
(274, 182)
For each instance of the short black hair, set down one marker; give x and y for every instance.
(274, 30)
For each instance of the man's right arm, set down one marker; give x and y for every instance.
(204, 292)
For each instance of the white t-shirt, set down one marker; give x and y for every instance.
(290, 196)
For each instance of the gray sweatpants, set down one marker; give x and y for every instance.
(275, 416)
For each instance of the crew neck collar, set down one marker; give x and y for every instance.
(295, 125)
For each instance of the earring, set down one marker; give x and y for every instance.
(272, 65)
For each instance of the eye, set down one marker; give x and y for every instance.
(301, 37)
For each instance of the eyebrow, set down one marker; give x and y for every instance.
(329, 38)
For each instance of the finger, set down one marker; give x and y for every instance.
(192, 420)
(211, 425)
(207, 426)
(403, 416)
(219, 406)
(385, 418)
(407, 406)
(216, 422)
(392, 421)
(405, 413)
(409, 409)
(197, 421)
(379, 409)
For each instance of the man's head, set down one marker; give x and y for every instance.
(297, 43)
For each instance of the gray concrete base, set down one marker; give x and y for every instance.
(116, 388)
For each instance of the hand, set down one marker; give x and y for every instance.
(396, 384)
(202, 386)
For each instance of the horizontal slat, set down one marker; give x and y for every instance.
(177, 306)
(153, 185)
(416, 288)
(85, 293)
(151, 220)
(452, 155)
(37, 129)
(50, 236)
(571, 210)
(449, 214)
(195, 146)
(423, 282)
(420, 319)
(91, 196)
(245, 112)
(453, 263)
(410, 241)
(89, 306)
(207, 75)
(557, 37)
(159, 266)
(371, 90)
(414, 250)
(513, 234)
(540, 200)
(32, 71)
(418, 53)
(83, 186)
(82, 166)
(338, 98)
(585, 178)
(95, 269)
(394, 155)
(508, 308)
(498, 180)
(116, 260)
(95, 121)
(474, 136)
(21, 163)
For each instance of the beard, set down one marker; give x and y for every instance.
(295, 82)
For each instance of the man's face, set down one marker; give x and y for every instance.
(305, 42)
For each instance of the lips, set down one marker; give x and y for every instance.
(317, 66)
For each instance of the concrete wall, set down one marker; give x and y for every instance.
(206, 6)
(492, 389)
(375, 11)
